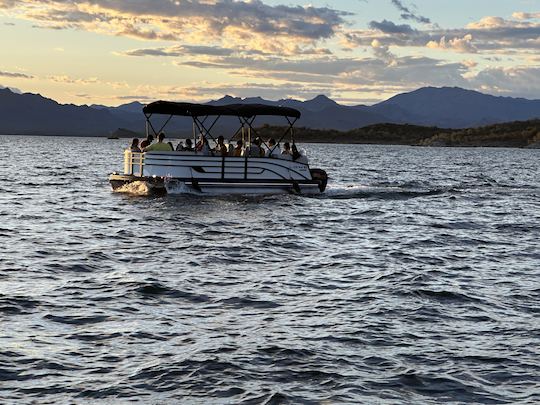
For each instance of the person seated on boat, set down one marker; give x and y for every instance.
(147, 142)
(303, 157)
(180, 147)
(273, 149)
(189, 146)
(202, 146)
(135, 145)
(230, 148)
(239, 149)
(297, 156)
(159, 146)
(220, 149)
(262, 152)
(286, 149)
(286, 154)
(294, 152)
(254, 150)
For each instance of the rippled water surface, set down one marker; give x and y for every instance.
(414, 279)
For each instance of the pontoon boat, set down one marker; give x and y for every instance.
(192, 172)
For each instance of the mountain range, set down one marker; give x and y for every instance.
(446, 107)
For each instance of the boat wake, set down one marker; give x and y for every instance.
(179, 188)
(135, 188)
(359, 191)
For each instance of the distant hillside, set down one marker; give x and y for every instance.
(452, 107)
(429, 107)
(34, 114)
(390, 134)
(513, 134)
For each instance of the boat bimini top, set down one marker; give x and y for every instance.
(200, 110)
(200, 113)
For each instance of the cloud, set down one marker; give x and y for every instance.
(489, 34)
(65, 79)
(526, 16)
(382, 52)
(407, 14)
(15, 75)
(463, 45)
(388, 27)
(69, 80)
(318, 66)
(520, 81)
(250, 22)
(202, 50)
(180, 50)
(384, 69)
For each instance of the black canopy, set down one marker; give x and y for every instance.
(202, 110)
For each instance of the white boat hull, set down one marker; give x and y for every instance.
(217, 188)
(188, 173)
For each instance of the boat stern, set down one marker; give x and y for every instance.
(123, 182)
(321, 177)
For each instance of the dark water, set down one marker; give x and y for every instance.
(415, 279)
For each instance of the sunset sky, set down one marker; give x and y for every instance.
(355, 51)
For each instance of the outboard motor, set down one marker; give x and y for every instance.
(321, 177)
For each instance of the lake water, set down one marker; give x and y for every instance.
(414, 279)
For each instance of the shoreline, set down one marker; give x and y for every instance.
(302, 141)
(518, 134)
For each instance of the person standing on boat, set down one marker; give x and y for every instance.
(160, 146)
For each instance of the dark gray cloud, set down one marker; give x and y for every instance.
(181, 50)
(16, 75)
(405, 71)
(193, 50)
(324, 66)
(407, 14)
(388, 27)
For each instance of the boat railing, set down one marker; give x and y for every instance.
(133, 163)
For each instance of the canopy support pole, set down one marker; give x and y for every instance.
(204, 131)
(250, 124)
(150, 123)
(291, 129)
(164, 125)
